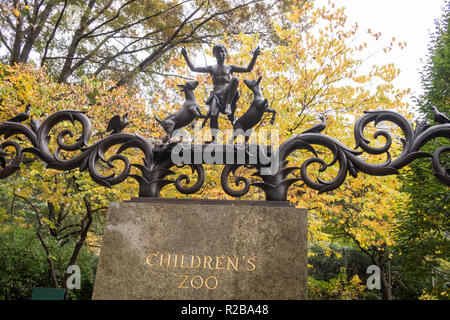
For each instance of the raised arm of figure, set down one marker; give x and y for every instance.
(237, 69)
(206, 69)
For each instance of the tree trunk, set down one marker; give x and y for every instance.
(49, 258)
(386, 288)
(67, 69)
(15, 56)
(34, 33)
(382, 260)
(85, 225)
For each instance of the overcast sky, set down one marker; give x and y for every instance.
(406, 20)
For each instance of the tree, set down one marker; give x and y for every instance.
(24, 267)
(424, 221)
(339, 288)
(63, 207)
(118, 39)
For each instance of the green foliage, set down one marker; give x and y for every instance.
(339, 272)
(24, 265)
(327, 263)
(424, 218)
(339, 288)
(120, 40)
(435, 294)
(67, 207)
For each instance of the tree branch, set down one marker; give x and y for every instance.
(65, 72)
(170, 43)
(52, 35)
(44, 245)
(85, 225)
(15, 56)
(3, 40)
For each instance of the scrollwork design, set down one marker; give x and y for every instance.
(97, 153)
(276, 185)
(184, 177)
(157, 165)
(441, 173)
(154, 168)
(238, 180)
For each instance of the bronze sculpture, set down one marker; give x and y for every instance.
(439, 117)
(188, 112)
(224, 95)
(317, 128)
(116, 124)
(254, 113)
(158, 160)
(23, 116)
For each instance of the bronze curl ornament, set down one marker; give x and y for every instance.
(276, 185)
(155, 166)
(273, 173)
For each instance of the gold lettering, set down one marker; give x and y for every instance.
(162, 260)
(149, 258)
(218, 261)
(182, 262)
(207, 261)
(215, 280)
(198, 264)
(186, 276)
(251, 263)
(224, 262)
(201, 282)
(235, 265)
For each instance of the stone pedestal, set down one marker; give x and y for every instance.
(210, 250)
